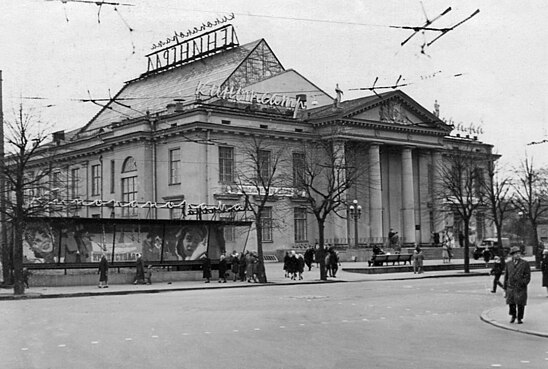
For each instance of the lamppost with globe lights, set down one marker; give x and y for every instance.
(355, 212)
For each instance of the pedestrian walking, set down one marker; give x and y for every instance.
(300, 265)
(286, 264)
(309, 257)
(242, 267)
(418, 260)
(139, 270)
(235, 266)
(206, 268)
(148, 274)
(496, 272)
(222, 268)
(544, 268)
(516, 278)
(444, 253)
(103, 272)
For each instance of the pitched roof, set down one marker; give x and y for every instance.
(152, 93)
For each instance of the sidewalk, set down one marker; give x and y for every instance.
(535, 322)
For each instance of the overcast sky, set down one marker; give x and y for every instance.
(59, 52)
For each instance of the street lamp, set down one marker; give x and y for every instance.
(355, 211)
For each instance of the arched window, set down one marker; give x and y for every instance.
(129, 165)
(129, 185)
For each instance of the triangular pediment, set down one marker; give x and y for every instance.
(395, 107)
(260, 64)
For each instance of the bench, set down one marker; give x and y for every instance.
(379, 260)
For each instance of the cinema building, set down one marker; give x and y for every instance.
(171, 141)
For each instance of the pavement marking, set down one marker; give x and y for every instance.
(94, 342)
(496, 365)
(301, 324)
(62, 345)
(24, 348)
(207, 332)
(129, 339)
(257, 329)
(235, 330)
(365, 319)
(525, 361)
(154, 336)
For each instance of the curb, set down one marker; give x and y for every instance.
(487, 319)
(34, 295)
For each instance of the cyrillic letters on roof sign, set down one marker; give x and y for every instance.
(194, 48)
(247, 96)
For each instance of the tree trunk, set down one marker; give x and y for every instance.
(18, 287)
(261, 273)
(321, 251)
(466, 246)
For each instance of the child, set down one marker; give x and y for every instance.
(148, 274)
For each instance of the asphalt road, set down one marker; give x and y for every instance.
(429, 323)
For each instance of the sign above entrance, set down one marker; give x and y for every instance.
(194, 48)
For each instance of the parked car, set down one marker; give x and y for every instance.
(492, 244)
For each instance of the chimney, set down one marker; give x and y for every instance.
(58, 136)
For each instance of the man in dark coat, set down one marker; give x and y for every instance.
(139, 270)
(222, 268)
(309, 257)
(206, 268)
(103, 272)
(517, 277)
(544, 268)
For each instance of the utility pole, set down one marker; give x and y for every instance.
(3, 231)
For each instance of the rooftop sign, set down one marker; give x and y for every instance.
(194, 48)
(248, 96)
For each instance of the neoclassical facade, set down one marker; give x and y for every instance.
(178, 134)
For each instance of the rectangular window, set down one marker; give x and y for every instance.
(129, 193)
(266, 221)
(298, 169)
(226, 164)
(174, 166)
(300, 224)
(74, 182)
(112, 176)
(56, 182)
(264, 164)
(95, 180)
(478, 181)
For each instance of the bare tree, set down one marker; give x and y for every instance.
(26, 170)
(327, 169)
(498, 199)
(531, 198)
(462, 189)
(262, 177)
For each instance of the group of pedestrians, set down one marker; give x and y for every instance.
(294, 265)
(242, 267)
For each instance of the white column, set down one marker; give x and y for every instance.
(437, 165)
(375, 193)
(408, 197)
